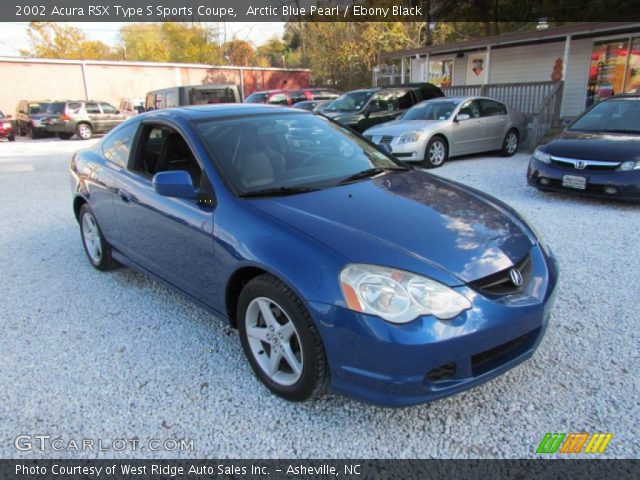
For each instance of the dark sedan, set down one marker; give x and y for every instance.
(336, 263)
(597, 155)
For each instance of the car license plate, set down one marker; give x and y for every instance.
(574, 181)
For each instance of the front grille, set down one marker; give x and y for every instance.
(500, 283)
(386, 139)
(570, 163)
(443, 372)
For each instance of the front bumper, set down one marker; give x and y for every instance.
(623, 185)
(400, 365)
(408, 152)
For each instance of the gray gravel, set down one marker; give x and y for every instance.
(108, 356)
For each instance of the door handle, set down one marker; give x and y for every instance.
(124, 196)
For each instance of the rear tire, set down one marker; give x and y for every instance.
(64, 135)
(95, 245)
(280, 340)
(510, 143)
(84, 131)
(436, 153)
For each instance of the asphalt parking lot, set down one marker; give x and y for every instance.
(106, 356)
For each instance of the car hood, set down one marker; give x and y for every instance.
(614, 147)
(343, 116)
(398, 127)
(409, 220)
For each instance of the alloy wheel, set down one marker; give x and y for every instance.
(84, 131)
(512, 142)
(436, 153)
(274, 341)
(91, 237)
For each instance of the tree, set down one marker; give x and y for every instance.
(273, 51)
(58, 40)
(239, 52)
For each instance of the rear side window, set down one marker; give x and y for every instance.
(117, 146)
(490, 108)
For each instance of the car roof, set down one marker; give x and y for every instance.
(202, 112)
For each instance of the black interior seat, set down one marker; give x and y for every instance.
(175, 154)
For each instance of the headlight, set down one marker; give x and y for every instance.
(541, 156)
(630, 165)
(6, 125)
(398, 296)
(410, 137)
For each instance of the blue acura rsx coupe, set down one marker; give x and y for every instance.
(338, 264)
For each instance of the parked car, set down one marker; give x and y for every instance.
(6, 128)
(435, 130)
(598, 154)
(313, 105)
(83, 118)
(362, 109)
(291, 97)
(336, 262)
(31, 118)
(132, 106)
(192, 95)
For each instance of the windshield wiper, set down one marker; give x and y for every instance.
(278, 191)
(368, 173)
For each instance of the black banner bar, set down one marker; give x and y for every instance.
(318, 469)
(320, 10)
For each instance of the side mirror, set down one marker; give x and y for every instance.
(176, 184)
(462, 116)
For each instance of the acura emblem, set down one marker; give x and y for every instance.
(516, 277)
(581, 164)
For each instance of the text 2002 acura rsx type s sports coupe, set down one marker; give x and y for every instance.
(337, 264)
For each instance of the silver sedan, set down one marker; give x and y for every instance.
(437, 129)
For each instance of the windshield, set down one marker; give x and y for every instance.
(615, 116)
(256, 98)
(431, 111)
(350, 102)
(287, 151)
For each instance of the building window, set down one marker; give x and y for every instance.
(440, 72)
(614, 69)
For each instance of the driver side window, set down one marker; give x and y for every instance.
(163, 149)
(471, 108)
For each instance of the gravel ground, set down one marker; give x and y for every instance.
(90, 355)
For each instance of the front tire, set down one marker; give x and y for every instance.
(84, 131)
(95, 245)
(280, 340)
(510, 143)
(11, 138)
(436, 153)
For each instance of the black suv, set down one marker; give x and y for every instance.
(83, 118)
(361, 109)
(31, 118)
